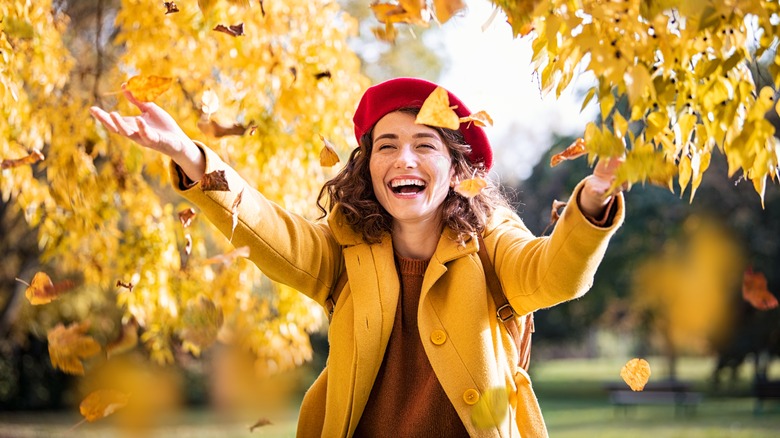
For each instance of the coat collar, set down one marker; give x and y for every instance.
(447, 249)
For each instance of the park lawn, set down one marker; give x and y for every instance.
(571, 394)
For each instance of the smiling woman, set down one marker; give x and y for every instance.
(413, 333)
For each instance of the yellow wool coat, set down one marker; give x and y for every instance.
(469, 350)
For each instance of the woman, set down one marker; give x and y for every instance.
(414, 341)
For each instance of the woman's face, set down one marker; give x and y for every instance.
(410, 168)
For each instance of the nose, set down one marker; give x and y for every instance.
(406, 158)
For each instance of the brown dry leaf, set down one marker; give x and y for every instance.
(68, 346)
(480, 118)
(126, 341)
(43, 291)
(148, 88)
(102, 403)
(323, 75)
(228, 257)
(33, 157)
(575, 150)
(234, 212)
(328, 155)
(233, 30)
(215, 181)
(260, 423)
(386, 33)
(436, 111)
(471, 187)
(120, 283)
(215, 129)
(170, 7)
(554, 214)
(635, 373)
(186, 216)
(755, 291)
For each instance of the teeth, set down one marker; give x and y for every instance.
(407, 182)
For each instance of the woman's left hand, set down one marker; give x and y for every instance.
(596, 194)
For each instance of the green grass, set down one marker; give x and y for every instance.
(571, 393)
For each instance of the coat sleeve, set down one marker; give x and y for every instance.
(539, 272)
(288, 248)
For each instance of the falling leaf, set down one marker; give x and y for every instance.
(480, 118)
(128, 286)
(202, 320)
(147, 88)
(234, 212)
(170, 7)
(436, 111)
(260, 423)
(216, 129)
(232, 30)
(575, 150)
(228, 257)
(69, 346)
(491, 409)
(214, 181)
(186, 216)
(322, 75)
(635, 373)
(33, 157)
(755, 291)
(126, 341)
(471, 187)
(328, 155)
(209, 102)
(445, 9)
(43, 291)
(102, 403)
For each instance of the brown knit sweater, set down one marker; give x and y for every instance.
(407, 399)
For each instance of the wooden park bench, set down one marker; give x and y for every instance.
(679, 394)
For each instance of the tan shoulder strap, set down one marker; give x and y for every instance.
(330, 302)
(505, 312)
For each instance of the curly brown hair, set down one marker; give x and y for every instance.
(353, 191)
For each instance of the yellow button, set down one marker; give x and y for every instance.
(438, 337)
(471, 396)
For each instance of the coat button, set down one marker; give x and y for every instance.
(438, 337)
(471, 396)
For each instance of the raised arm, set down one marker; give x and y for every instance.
(155, 129)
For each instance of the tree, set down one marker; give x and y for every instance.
(260, 83)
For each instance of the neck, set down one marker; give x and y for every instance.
(416, 240)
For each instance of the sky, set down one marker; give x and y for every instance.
(490, 70)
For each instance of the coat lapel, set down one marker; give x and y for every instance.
(375, 289)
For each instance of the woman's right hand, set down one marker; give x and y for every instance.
(155, 129)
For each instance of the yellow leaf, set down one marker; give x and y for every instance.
(68, 346)
(126, 341)
(328, 155)
(637, 80)
(436, 111)
(491, 409)
(445, 9)
(480, 118)
(636, 373)
(102, 403)
(202, 320)
(470, 187)
(43, 291)
(148, 88)
(684, 173)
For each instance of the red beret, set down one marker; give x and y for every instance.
(398, 93)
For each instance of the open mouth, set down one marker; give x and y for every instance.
(407, 186)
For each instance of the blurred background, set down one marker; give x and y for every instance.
(670, 289)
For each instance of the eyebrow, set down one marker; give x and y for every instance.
(418, 135)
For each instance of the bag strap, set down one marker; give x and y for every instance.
(504, 311)
(330, 302)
